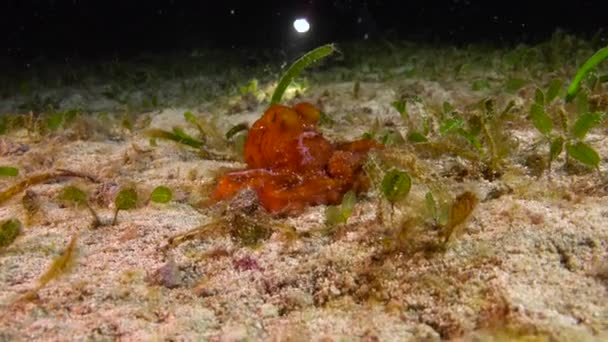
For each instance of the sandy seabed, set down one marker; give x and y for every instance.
(531, 262)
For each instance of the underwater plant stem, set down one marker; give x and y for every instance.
(41, 178)
(197, 232)
(115, 216)
(449, 148)
(563, 119)
(294, 70)
(179, 138)
(491, 145)
(187, 140)
(594, 60)
(96, 221)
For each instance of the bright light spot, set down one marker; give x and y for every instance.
(301, 25)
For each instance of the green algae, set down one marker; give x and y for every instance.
(9, 230)
(11, 191)
(296, 68)
(161, 194)
(77, 197)
(591, 63)
(125, 200)
(9, 171)
(337, 214)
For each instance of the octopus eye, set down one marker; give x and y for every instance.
(289, 121)
(309, 113)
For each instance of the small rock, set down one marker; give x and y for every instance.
(167, 275)
(268, 310)
(105, 193)
(11, 148)
(234, 333)
(246, 263)
(296, 298)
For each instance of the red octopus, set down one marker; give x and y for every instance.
(290, 165)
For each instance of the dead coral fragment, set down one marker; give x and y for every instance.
(290, 165)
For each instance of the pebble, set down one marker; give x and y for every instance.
(268, 310)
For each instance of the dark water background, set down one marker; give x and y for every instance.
(69, 30)
(113, 49)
